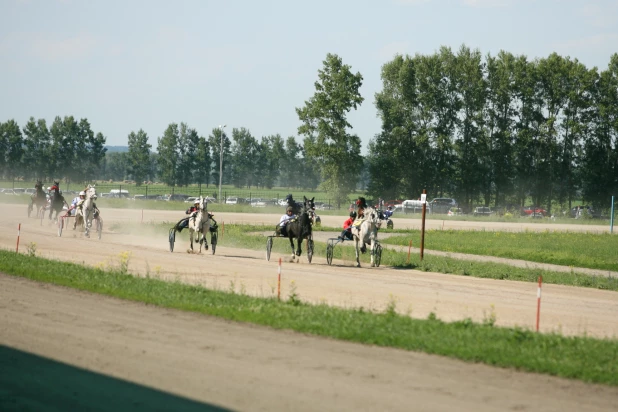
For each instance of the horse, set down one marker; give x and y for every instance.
(365, 232)
(38, 199)
(199, 224)
(56, 203)
(86, 214)
(300, 228)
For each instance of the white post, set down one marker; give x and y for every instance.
(221, 161)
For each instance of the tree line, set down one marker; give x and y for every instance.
(492, 130)
(497, 130)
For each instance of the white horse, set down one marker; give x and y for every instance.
(199, 224)
(365, 232)
(87, 209)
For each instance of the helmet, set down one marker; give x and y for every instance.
(48, 188)
(352, 214)
(82, 193)
(197, 202)
(289, 209)
(390, 207)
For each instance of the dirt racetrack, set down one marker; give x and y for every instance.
(249, 368)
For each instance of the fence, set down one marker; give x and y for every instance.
(164, 192)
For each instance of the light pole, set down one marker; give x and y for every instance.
(221, 161)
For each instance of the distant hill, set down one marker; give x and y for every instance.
(112, 149)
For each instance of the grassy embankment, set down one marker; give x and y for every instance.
(583, 358)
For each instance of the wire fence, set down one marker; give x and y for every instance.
(172, 193)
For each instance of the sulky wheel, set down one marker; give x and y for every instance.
(329, 253)
(377, 258)
(172, 238)
(213, 241)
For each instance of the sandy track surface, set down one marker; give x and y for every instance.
(242, 367)
(349, 375)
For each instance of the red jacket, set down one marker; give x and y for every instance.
(191, 210)
(348, 223)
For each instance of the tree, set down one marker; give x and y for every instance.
(187, 152)
(36, 149)
(215, 139)
(499, 126)
(139, 156)
(11, 145)
(273, 152)
(244, 157)
(168, 154)
(403, 135)
(289, 163)
(116, 166)
(203, 160)
(324, 125)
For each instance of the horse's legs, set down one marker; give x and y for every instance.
(373, 249)
(299, 243)
(356, 239)
(292, 247)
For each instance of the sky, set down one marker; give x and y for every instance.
(143, 64)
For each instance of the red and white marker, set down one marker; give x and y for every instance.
(18, 233)
(538, 303)
(279, 280)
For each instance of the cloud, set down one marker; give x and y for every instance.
(599, 42)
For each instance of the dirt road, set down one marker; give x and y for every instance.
(248, 368)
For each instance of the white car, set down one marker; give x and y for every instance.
(258, 203)
(231, 201)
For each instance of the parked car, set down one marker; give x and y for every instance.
(257, 202)
(455, 211)
(534, 212)
(7, 191)
(482, 211)
(442, 204)
(325, 206)
(231, 201)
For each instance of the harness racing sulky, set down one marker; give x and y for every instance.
(200, 223)
(297, 226)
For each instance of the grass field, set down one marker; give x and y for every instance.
(583, 358)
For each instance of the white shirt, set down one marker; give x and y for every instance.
(285, 219)
(75, 201)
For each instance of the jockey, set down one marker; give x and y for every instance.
(389, 212)
(77, 202)
(347, 226)
(193, 212)
(285, 219)
(361, 204)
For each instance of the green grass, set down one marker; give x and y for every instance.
(583, 358)
(245, 236)
(585, 250)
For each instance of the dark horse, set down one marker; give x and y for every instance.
(300, 228)
(38, 199)
(57, 201)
